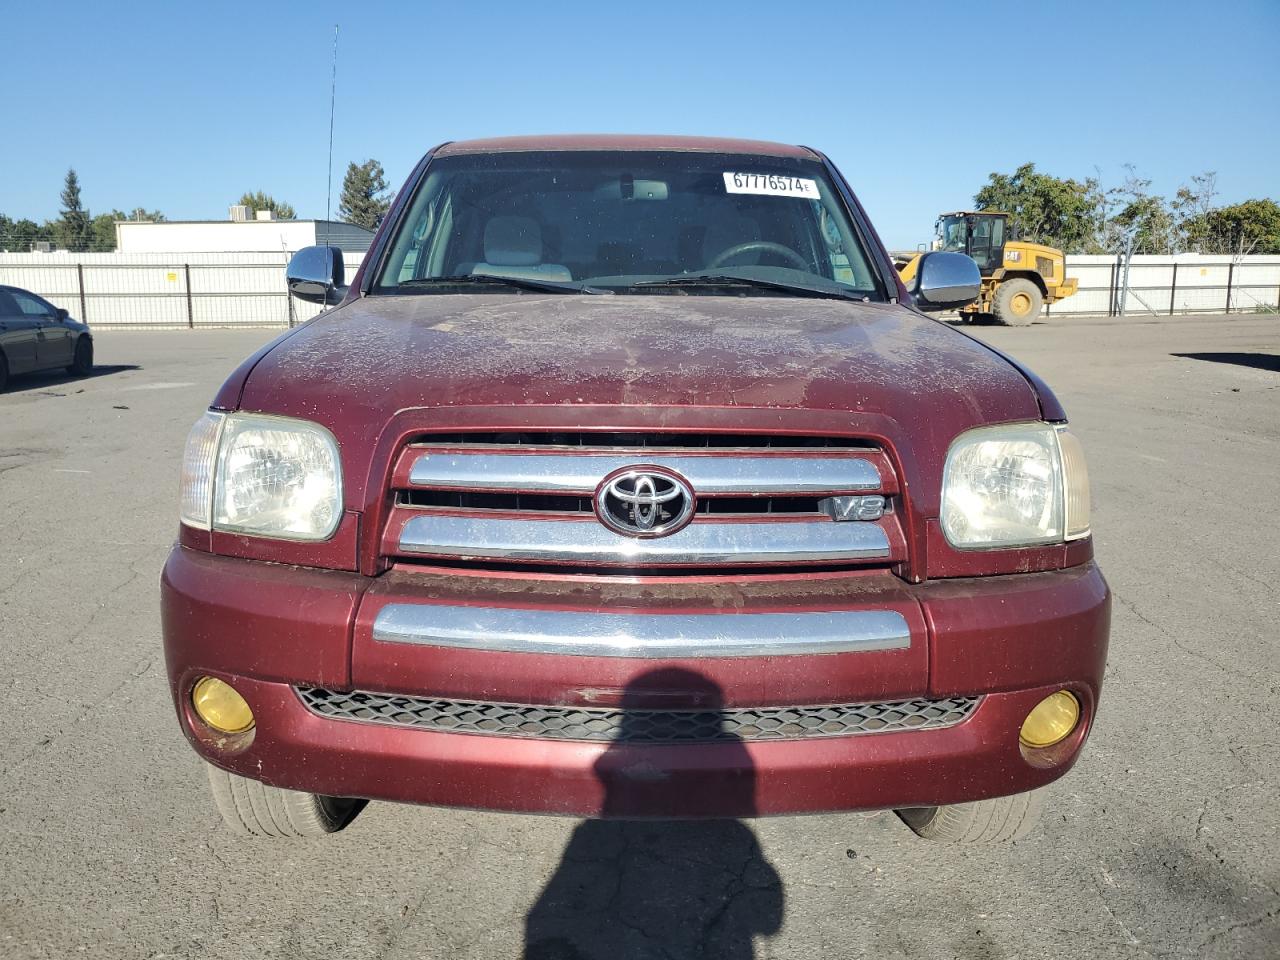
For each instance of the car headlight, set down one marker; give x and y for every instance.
(199, 460)
(262, 475)
(1015, 485)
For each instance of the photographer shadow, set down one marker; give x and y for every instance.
(627, 889)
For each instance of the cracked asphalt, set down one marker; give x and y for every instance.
(1163, 841)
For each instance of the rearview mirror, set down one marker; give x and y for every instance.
(317, 275)
(944, 281)
(627, 187)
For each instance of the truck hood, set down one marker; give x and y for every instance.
(378, 355)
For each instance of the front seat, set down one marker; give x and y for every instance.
(513, 248)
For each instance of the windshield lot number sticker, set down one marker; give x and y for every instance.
(771, 185)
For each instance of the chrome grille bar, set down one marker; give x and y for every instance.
(673, 635)
(742, 474)
(588, 542)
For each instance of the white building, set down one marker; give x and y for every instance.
(238, 236)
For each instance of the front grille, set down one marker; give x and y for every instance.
(747, 500)
(612, 725)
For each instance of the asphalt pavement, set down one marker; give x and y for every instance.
(1163, 841)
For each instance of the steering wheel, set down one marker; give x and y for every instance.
(761, 246)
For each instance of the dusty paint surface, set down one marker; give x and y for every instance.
(406, 351)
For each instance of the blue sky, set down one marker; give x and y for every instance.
(182, 107)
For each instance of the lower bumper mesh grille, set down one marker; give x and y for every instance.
(636, 726)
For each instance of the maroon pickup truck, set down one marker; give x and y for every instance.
(627, 479)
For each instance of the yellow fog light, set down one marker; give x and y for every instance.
(1051, 721)
(218, 705)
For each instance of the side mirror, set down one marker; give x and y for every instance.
(61, 316)
(944, 281)
(317, 275)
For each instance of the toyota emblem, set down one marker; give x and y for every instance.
(643, 502)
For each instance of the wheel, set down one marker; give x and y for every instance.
(4, 373)
(1017, 302)
(254, 809)
(983, 821)
(82, 363)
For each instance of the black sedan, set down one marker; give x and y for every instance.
(36, 335)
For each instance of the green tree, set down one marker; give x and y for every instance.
(18, 236)
(1151, 223)
(1191, 207)
(103, 230)
(364, 198)
(1062, 213)
(74, 229)
(1133, 210)
(264, 201)
(1241, 228)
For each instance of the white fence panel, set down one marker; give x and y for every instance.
(248, 289)
(1094, 295)
(1257, 285)
(165, 289)
(1163, 285)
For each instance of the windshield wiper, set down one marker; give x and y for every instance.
(485, 279)
(729, 280)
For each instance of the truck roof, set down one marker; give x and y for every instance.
(621, 141)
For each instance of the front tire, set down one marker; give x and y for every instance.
(253, 809)
(4, 373)
(984, 821)
(82, 363)
(1017, 303)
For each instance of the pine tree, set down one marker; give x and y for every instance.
(74, 227)
(364, 199)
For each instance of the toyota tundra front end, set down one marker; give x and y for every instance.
(625, 479)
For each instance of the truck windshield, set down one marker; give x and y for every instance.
(627, 222)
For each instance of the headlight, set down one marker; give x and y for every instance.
(1015, 485)
(199, 460)
(261, 475)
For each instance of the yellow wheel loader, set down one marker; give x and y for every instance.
(1018, 278)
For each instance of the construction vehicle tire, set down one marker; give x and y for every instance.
(1017, 302)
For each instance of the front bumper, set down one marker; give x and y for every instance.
(268, 629)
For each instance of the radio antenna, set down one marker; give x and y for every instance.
(333, 90)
